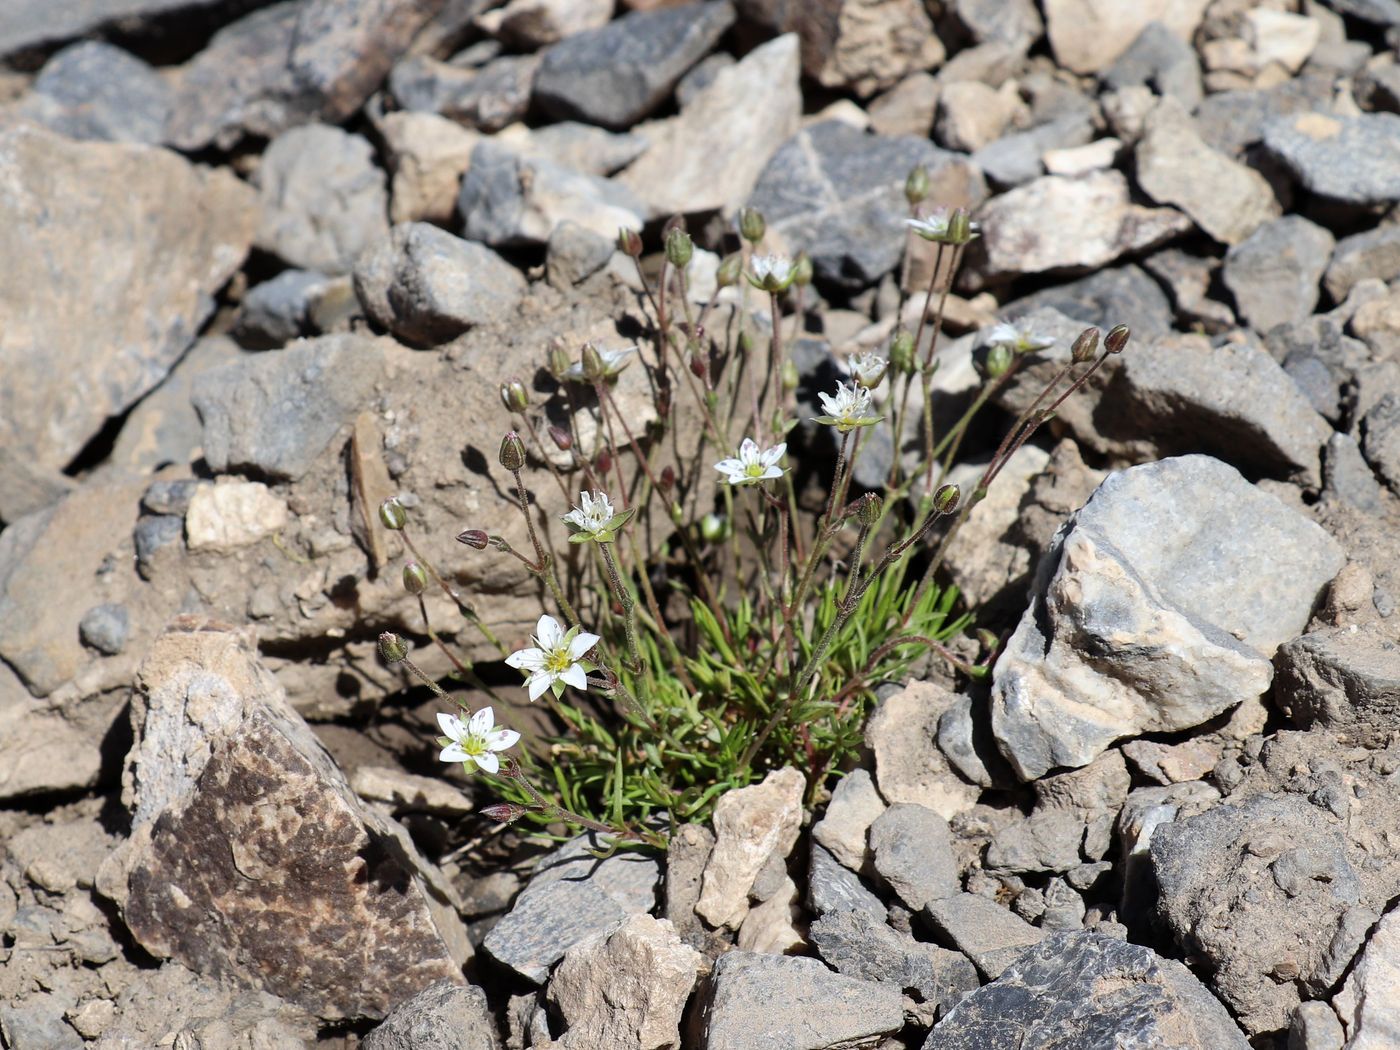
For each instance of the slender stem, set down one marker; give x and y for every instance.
(629, 607)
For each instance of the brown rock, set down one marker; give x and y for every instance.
(1088, 36)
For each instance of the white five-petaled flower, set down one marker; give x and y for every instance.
(474, 743)
(937, 226)
(614, 361)
(754, 464)
(868, 369)
(849, 408)
(592, 514)
(771, 273)
(556, 660)
(1021, 340)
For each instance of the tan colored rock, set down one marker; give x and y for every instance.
(232, 514)
(1088, 36)
(972, 114)
(532, 24)
(409, 792)
(1080, 160)
(1377, 324)
(1369, 1002)
(428, 155)
(771, 925)
(750, 825)
(907, 108)
(909, 767)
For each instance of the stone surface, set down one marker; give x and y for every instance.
(323, 200)
(427, 157)
(838, 194)
(1369, 254)
(486, 99)
(93, 90)
(233, 514)
(105, 628)
(1142, 618)
(250, 856)
(1072, 821)
(1088, 36)
(982, 930)
(427, 287)
(855, 804)
(1016, 158)
(626, 988)
(574, 254)
(280, 310)
(582, 147)
(913, 849)
(1315, 1027)
(710, 157)
(902, 732)
(1369, 1002)
(531, 24)
(1377, 324)
(1274, 272)
(1189, 278)
(620, 72)
(756, 1002)
(1355, 160)
(1176, 166)
(26, 487)
(832, 888)
(1092, 992)
(972, 115)
(1380, 439)
(445, 1015)
(1056, 223)
(1162, 60)
(107, 312)
(751, 824)
(1342, 676)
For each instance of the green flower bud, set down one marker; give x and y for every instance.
(512, 454)
(593, 367)
(1117, 339)
(869, 510)
(477, 538)
(714, 528)
(629, 242)
(752, 227)
(802, 270)
(392, 515)
(960, 227)
(391, 648)
(504, 812)
(916, 185)
(1085, 346)
(679, 248)
(557, 362)
(415, 578)
(998, 360)
(945, 500)
(789, 376)
(987, 639)
(902, 352)
(514, 395)
(729, 269)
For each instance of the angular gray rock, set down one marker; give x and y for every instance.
(757, 1002)
(487, 99)
(1072, 820)
(106, 628)
(1163, 61)
(1274, 272)
(617, 74)
(446, 1015)
(1092, 992)
(1347, 477)
(323, 199)
(427, 287)
(107, 313)
(277, 311)
(250, 856)
(1355, 160)
(845, 826)
(1369, 254)
(1369, 1002)
(832, 888)
(1188, 278)
(1380, 439)
(94, 90)
(1147, 614)
(913, 849)
(838, 194)
(1016, 158)
(981, 929)
(902, 732)
(1341, 676)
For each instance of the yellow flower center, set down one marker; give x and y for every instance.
(754, 470)
(557, 661)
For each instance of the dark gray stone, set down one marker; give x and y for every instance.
(1347, 477)
(36, 23)
(1013, 22)
(1188, 279)
(1120, 295)
(982, 930)
(105, 628)
(1232, 121)
(488, 99)
(427, 286)
(444, 1016)
(574, 254)
(1015, 159)
(1371, 253)
(1380, 439)
(36, 1023)
(966, 740)
(617, 74)
(1382, 12)
(913, 849)
(1344, 676)
(1355, 160)
(154, 533)
(1048, 840)
(1274, 272)
(758, 1002)
(838, 194)
(832, 888)
(1321, 360)
(1091, 992)
(169, 497)
(1064, 908)
(93, 90)
(1161, 60)
(278, 311)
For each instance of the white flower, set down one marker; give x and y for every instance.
(592, 514)
(753, 465)
(937, 226)
(1021, 340)
(613, 362)
(771, 273)
(868, 369)
(848, 409)
(556, 659)
(475, 743)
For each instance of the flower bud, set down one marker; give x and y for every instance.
(512, 454)
(998, 360)
(562, 439)
(477, 538)
(679, 248)
(802, 270)
(557, 362)
(629, 242)
(594, 369)
(1117, 339)
(392, 515)
(415, 579)
(960, 227)
(902, 352)
(698, 367)
(514, 396)
(752, 227)
(667, 480)
(945, 500)
(391, 648)
(869, 509)
(1085, 346)
(729, 269)
(604, 461)
(504, 812)
(789, 376)
(714, 528)
(916, 185)
(987, 639)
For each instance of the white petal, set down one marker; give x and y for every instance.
(538, 684)
(450, 725)
(453, 753)
(526, 659)
(502, 740)
(581, 644)
(730, 466)
(488, 762)
(771, 472)
(575, 676)
(548, 632)
(774, 454)
(748, 449)
(481, 722)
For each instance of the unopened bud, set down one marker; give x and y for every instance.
(679, 248)
(698, 367)
(988, 639)
(714, 528)
(869, 509)
(789, 376)
(562, 439)
(415, 579)
(960, 226)
(945, 500)
(629, 242)
(477, 538)
(391, 648)
(667, 480)
(604, 461)
(504, 812)
(998, 360)
(729, 269)
(752, 226)
(514, 395)
(593, 367)
(902, 352)
(1085, 346)
(1117, 339)
(512, 454)
(802, 270)
(392, 515)
(916, 185)
(557, 362)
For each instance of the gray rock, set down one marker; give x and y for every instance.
(1274, 272)
(1017, 22)
(323, 200)
(1164, 62)
(686, 857)
(153, 534)
(107, 332)
(1380, 439)
(1314, 341)
(1355, 160)
(1092, 992)
(1341, 676)
(1015, 159)
(582, 147)
(1090, 43)
(1368, 1005)
(487, 99)
(1347, 477)
(965, 738)
(93, 90)
(105, 628)
(1188, 279)
(831, 887)
(1103, 299)
(27, 487)
(1233, 121)
(427, 286)
(913, 849)
(872, 951)
(1369, 254)
(690, 86)
(845, 826)
(572, 896)
(1315, 1026)
(838, 194)
(510, 199)
(902, 732)
(446, 1016)
(278, 311)
(30, 24)
(290, 64)
(982, 930)
(1382, 12)
(617, 74)
(756, 1002)
(1064, 907)
(275, 414)
(1141, 592)
(1072, 820)
(574, 254)
(37, 1023)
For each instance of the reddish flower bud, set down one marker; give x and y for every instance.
(562, 439)
(477, 538)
